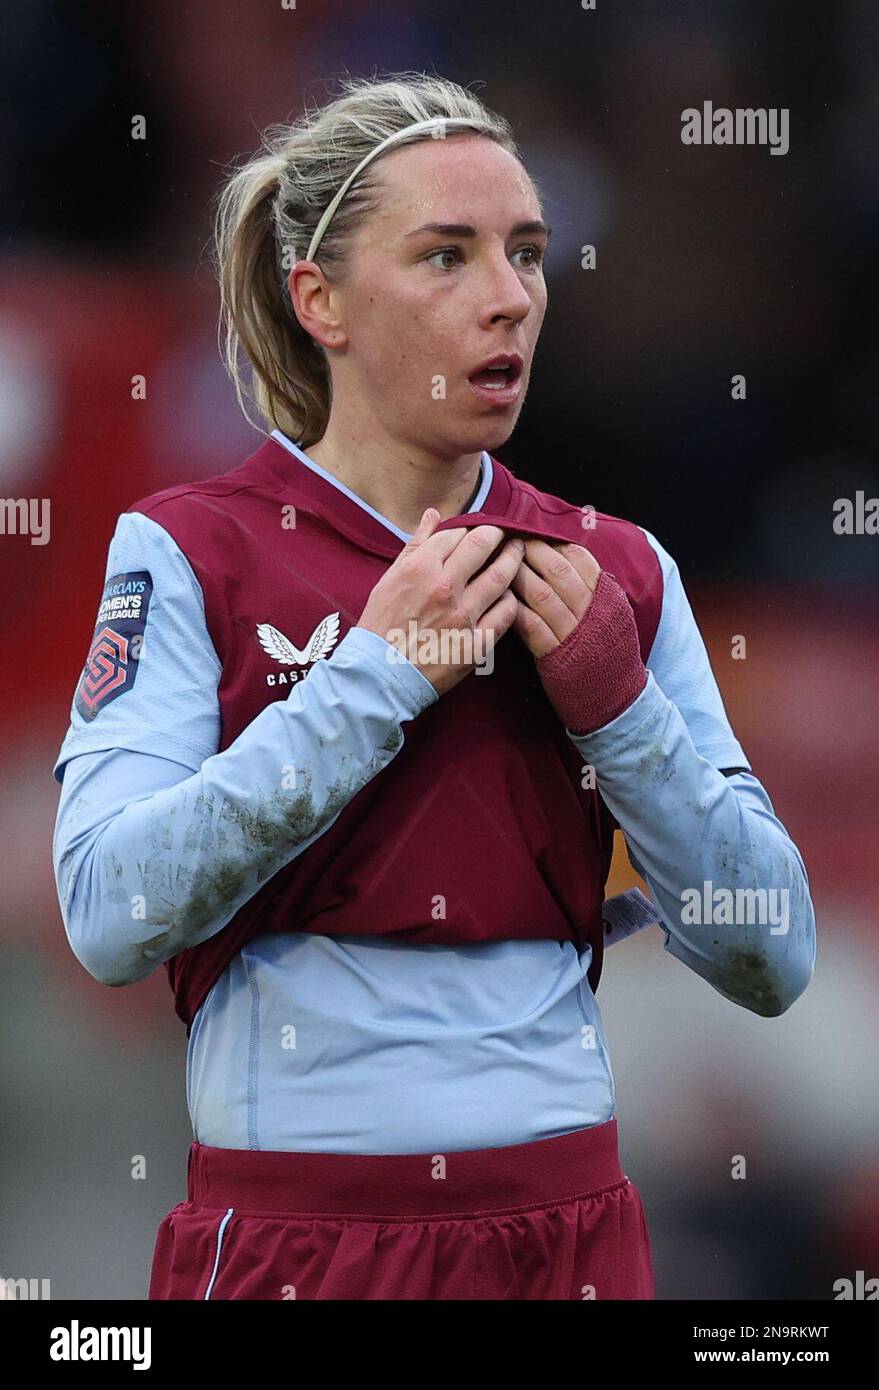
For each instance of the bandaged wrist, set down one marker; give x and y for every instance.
(597, 671)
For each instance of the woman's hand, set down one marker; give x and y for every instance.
(579, 626)
(555, 585)
(445, 601)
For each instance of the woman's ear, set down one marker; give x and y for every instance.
(311, 296)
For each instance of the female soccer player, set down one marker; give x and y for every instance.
(357, 724)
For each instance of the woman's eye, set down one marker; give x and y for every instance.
(445, 251)
(535, 251)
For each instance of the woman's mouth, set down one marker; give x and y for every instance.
(498, 381)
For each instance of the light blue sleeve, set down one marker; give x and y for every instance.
(679, 661)
(159, 838)
(172, 708)
(729, 883)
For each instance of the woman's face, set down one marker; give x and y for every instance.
(422, 310)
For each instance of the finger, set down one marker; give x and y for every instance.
(584, 562)
(537, 636)
(430, 520)
(488, 586)
(469, 553)
(444, 540)
(538, 594)
(497, 620)
(555, 563)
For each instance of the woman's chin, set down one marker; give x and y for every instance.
(486, 433)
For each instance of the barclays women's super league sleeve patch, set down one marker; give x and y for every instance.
(114, 656)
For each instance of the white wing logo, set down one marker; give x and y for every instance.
(319, 644)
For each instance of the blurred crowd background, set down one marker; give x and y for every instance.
(711, 261)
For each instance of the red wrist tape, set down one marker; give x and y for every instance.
(597, 671)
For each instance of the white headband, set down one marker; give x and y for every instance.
(394, 139)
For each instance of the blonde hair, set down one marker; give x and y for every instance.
(266, 216)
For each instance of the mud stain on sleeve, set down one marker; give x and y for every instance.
(747, 977)
(240, 849)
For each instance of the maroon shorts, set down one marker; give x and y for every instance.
(553, 1219)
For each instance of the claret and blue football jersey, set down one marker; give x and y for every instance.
(380, 909)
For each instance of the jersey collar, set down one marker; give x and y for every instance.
(352, 515)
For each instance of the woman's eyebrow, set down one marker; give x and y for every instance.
(465, 230)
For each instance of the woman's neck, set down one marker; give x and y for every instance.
(399, 485)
